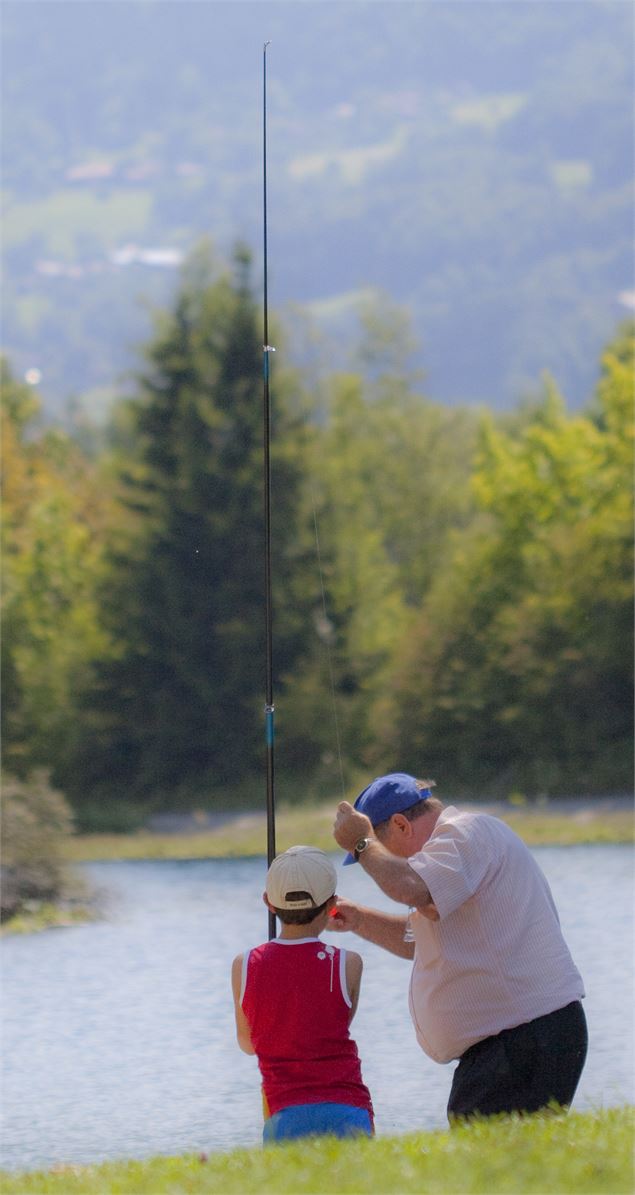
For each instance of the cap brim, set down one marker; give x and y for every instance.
(349, 859)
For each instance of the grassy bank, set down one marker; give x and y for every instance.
(245, 834)
(542, 1155)
(39, 915)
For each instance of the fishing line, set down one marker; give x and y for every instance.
(267, 349)
(327, 625)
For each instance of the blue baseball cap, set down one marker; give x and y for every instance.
(387, 795)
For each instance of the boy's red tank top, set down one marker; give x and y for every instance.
(296, 1002)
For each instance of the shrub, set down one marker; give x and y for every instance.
(35, 823)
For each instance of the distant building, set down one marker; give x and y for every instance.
(129, 255)
(87, 172)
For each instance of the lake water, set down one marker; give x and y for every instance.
(118, 1036)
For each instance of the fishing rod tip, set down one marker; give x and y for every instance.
(267, 43)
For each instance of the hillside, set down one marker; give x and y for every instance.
(470, 163)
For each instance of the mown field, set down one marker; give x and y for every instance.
(579, 1154)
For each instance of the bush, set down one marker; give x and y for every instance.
(35, 823)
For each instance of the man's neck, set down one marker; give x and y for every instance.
(313, 929)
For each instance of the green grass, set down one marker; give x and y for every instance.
(246, 834)
(488, 112)
(554, 829)
(46, 915)
(578, 1154)
(67, 214)
(353, 163)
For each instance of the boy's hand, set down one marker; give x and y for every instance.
(345, 916)
(350, 825)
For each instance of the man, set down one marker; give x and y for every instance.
(493, 983)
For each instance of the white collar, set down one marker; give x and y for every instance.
(293, 941)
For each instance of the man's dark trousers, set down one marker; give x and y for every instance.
(522, 1069)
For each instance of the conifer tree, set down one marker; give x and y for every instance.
(181, 707)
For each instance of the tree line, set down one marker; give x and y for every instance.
(452, 589)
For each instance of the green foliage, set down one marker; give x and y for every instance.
(390, 482)
(36, 823)
(468, 611)
(54, 515)
(578, 1154)
(179, 704)
(519, 670)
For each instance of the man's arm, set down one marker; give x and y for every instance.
(393, 874)
(384, 929)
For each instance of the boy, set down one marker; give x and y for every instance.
(294, 1000)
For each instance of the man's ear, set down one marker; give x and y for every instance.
(401, 824)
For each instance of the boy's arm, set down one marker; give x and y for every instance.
(354, 965)
(242, 1025)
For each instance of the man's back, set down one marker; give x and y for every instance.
(496, 957)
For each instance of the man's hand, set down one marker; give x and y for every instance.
(345, 916)
(349, 826)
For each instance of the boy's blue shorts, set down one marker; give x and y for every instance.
(308, 1120)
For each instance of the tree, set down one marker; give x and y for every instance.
(180, 706)
(519, 671)
(390, 480)
(55, 513)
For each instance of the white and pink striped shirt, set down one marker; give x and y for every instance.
(496, 957)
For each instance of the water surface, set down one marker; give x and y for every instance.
(118, 1036)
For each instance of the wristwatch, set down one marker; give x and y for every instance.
(360, 846)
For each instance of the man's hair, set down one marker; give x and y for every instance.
(419, 807)
(300, 916)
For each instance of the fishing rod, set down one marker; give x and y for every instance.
(267, 349)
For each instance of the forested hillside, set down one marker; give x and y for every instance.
(469, 163)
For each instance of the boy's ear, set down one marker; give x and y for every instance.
(267, 902)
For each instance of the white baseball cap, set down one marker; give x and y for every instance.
(301, 869)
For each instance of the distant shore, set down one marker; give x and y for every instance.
(225, 835)
(204, 834)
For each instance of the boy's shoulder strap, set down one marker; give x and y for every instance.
(342, 972)
(253, 952)
(243, 977)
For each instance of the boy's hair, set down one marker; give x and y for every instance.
(300, 916)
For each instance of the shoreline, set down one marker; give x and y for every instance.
(605, 821)
(204, 834)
